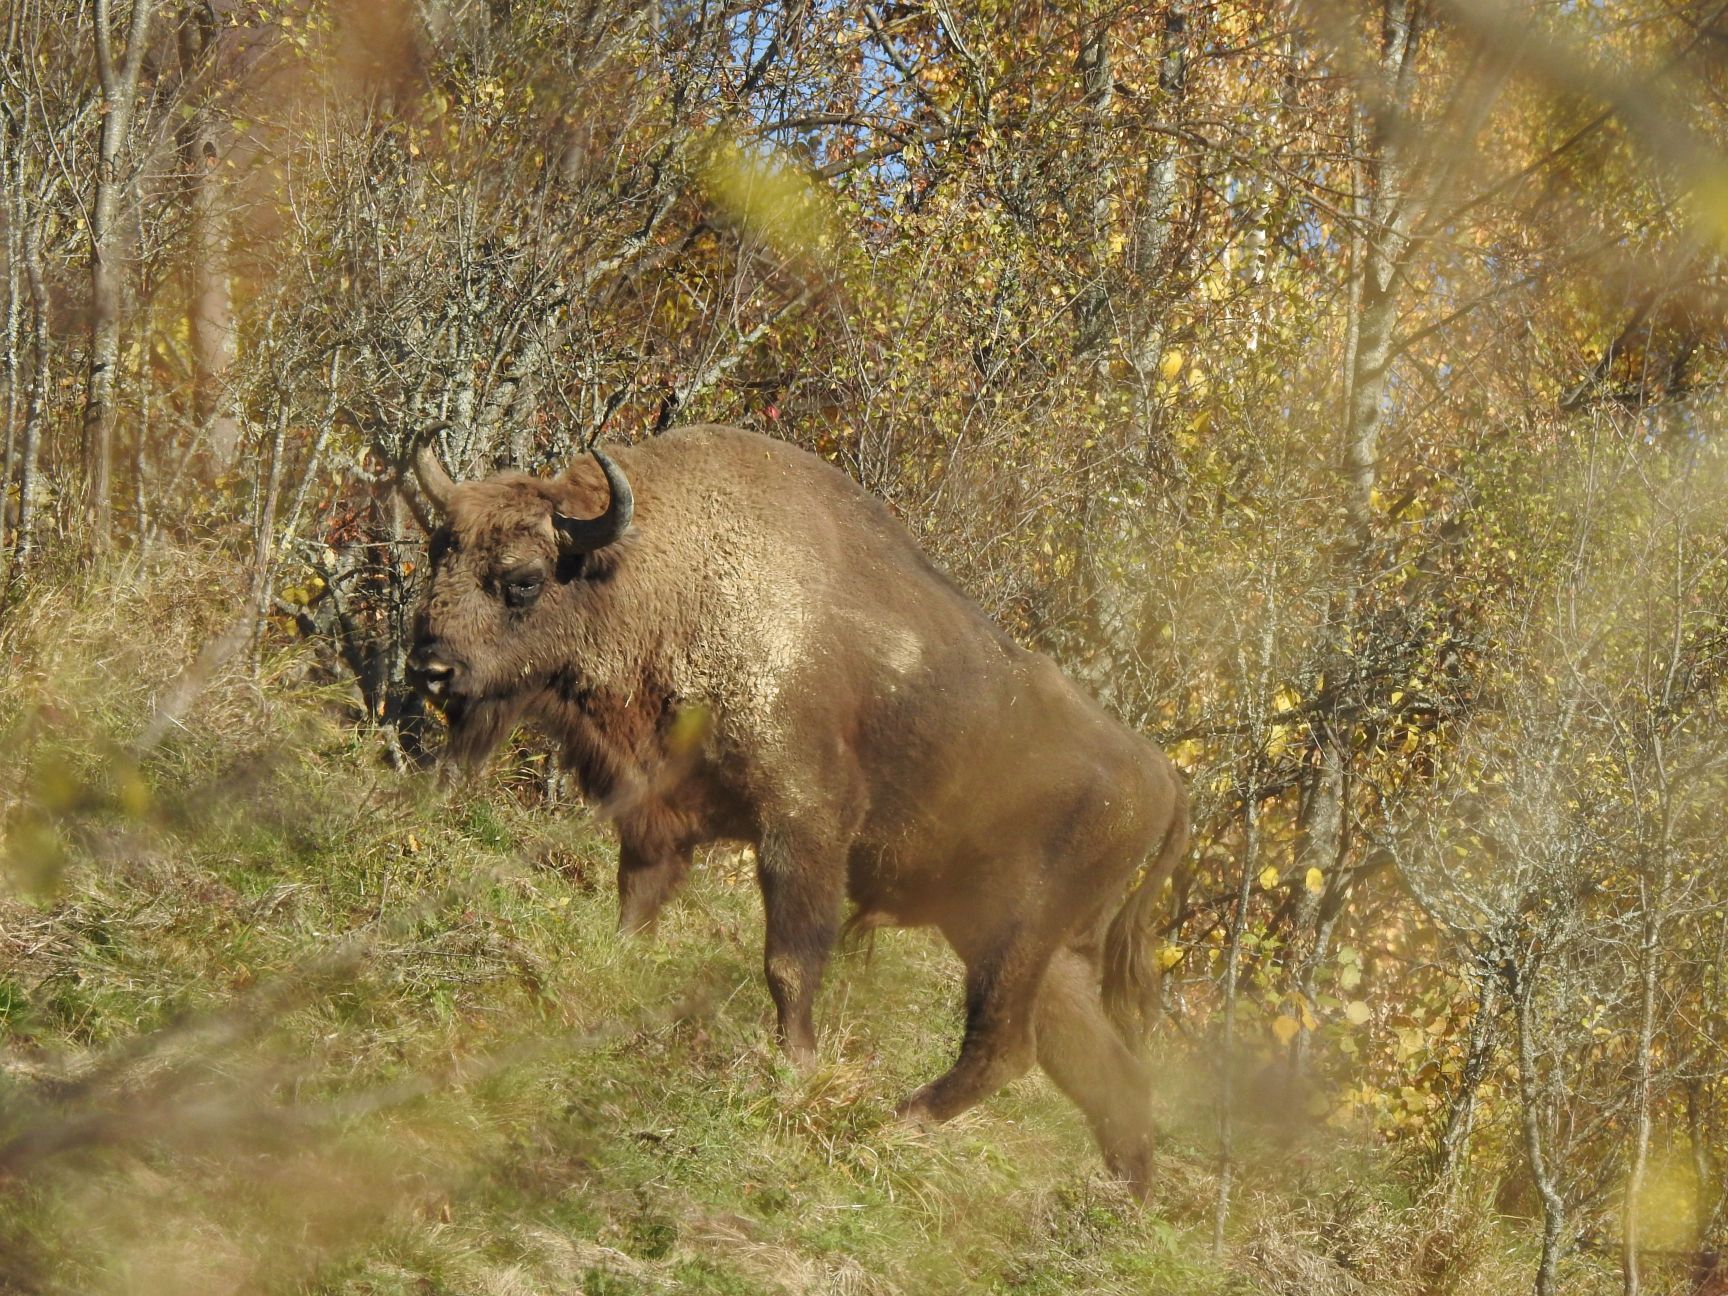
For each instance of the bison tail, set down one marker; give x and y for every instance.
(1132, 967)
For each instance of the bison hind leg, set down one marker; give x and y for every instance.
(1081, 1051)
(1002, 979)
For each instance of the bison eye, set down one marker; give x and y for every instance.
(521, 591)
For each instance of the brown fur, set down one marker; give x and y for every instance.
(768, 657)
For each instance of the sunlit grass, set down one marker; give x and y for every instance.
(278, 1019)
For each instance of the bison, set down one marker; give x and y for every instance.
(732, 640)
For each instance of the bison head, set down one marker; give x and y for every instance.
(512, 564)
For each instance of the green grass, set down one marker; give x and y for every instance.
(273, 1018)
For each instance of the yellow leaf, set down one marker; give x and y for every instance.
(775, 201)
(690, 728)
(1171, 364)
(1169, 956)
(1269, 877)
(1315, 881)
(134, 793)
(1285, 1028)
(1356, 1012)
(1186, 753)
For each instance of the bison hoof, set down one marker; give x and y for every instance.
(914, 1113)
(800, 1057)
(638, 928)
(1135, 1173)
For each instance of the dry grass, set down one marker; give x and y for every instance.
(273, 1018)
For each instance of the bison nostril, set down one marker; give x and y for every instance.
(432, 674)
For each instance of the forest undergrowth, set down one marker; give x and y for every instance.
(277, 1018)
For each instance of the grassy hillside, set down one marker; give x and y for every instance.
(277, 1019)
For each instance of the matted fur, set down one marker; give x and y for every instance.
(767, 656)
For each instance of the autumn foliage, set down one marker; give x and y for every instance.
(1334, 388)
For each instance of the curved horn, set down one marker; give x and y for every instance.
(429, 471)
(585, 535)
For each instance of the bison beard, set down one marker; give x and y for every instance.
(732, 641)
(478, 725)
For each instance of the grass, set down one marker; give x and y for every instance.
(275, 1019)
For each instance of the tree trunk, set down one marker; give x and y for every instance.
(315, 456)
(119, 102)
(1652, 895)
(12, 186)
(1535, 1143)
(1378, 245)
(264, 529)
(1453, 1148)
(1098, 89)
(209, 297)
(1154, 225)
(1227, 1044)
(1639, 1160)
(36, 402)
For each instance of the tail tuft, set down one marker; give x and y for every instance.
(1132, 972)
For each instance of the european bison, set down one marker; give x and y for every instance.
(733, 641)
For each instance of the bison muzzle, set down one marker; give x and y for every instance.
(731, 640)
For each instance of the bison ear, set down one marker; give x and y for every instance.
(585, 535)
(435, 482)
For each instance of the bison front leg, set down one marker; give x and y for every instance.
(802, 882)
(647, 878)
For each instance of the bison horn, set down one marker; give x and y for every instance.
(435, 482)
(585, 535)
